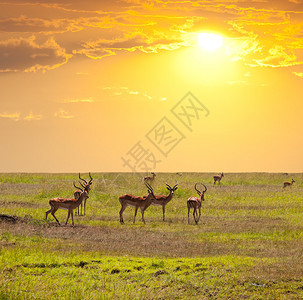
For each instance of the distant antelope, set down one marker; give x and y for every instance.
(218, 178)
(64, 203)
(162, 200)
(150, 178)
(137, 202)
(286, 183)
(86, 187)
(195, 203)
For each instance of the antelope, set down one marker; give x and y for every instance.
(286, 183)
(86, 187)
(137, 202)
(150, 178)
(66, 203)
(195, 203)
(218, 178)
(163, 200)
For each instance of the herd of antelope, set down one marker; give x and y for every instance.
(81, 195)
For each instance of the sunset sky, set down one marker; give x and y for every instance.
(133, 85)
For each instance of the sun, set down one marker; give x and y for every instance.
(210, 41)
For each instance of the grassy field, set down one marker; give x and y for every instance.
(247, 245)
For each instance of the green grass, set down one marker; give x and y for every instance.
(248, 243)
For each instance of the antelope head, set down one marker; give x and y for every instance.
(201, 194)
(172, 189)
(87, 184)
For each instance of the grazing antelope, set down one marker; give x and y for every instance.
(64, 203)
(150, 178)
(137, 202)
(286, 183)
(163, 200)
(86, 187)
(218, 178)
(195, 203)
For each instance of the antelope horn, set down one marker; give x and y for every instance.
(91, 178)
(82, 179)
(149, 187)
(176, 184)
(82, 184)
(167, 184)
(77, 187)
(199, 193)
(205, 188)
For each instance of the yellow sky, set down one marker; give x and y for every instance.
(124, 85)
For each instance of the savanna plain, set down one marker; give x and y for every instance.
(248, 243)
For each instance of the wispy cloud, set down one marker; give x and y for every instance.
(23, 24)
(32, 117)
(300, 74)
(87, 100)
(12, 116)
(63, 114)
(123, 91)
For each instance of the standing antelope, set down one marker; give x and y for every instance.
(218, 178)
(64, 203)
(137, 202)
(163, 200)
(195, 203)
(150, 178)
(286, 183)
(86, 187)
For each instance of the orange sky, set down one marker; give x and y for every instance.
(103, 86)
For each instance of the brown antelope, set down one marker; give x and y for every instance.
(137, 202)
(150, 178)
(86, 187)
(64, 203)
(195, 203)
(218, 178)
(286, 183)
(163, 200)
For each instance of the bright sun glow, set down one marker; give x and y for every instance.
(210, 41)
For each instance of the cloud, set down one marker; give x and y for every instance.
(12, 116)
(123, 91)
(27, 55)
(63, 114)
(25, 24)
(87, 100)
(32, 117)
(265, 33)
(278, 56)
(300, 74)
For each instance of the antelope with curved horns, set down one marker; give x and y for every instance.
(162, 200)
(150, 178)
(137, 202)
(218, 178)
(86, 187)
(286, 183)
(66, 203)
(195, 203)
